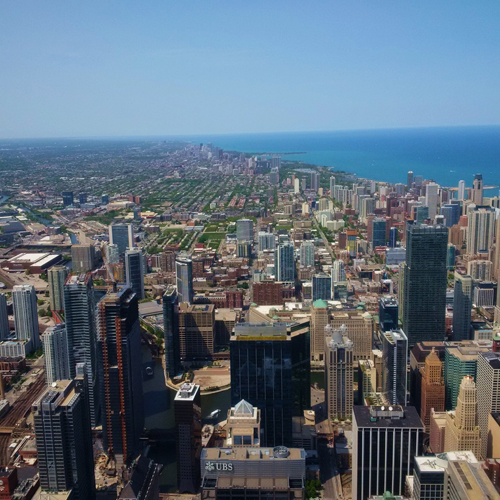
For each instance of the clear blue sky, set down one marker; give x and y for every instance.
(154, 67)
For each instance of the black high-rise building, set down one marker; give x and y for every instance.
(81, 330)
(120, 373)
(67, 197)
(462, 307)
(270, 365)
(171, 332)
(388, 311)
(64, 441)
(425, 278)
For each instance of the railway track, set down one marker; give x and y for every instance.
(19, 410)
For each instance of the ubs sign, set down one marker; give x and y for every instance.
(218, 466)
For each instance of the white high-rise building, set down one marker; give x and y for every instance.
(338, 271)
(461, 190)
(296, 185)
(480, 230)
(26, 314)
(431, 198)
(267, 241)
(332, 185)
(306, 258)
(55, 351)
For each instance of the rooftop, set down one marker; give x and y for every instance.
(387, 417)
(187, 392)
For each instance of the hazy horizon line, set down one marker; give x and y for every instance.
(222, 134)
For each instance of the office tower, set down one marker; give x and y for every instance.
(296, 186)
(55, 351)
(121, 235)
(399, 188)
(339, 373)
(431, 198)
(314, 181)
(464, 479)
(82, 198)
(432, 388)
(338, 272)
(461, 190)
(451, 256)
(477, 190)
(83, 257)
(187, 410)
(306, 254)
(134, 271)
(425, 283)
(64, 441)
(409, 179)
(26, 314)
(388, 313)
(82, 335)
(451, 212)
(385, 442)
(393, 237)
(488, 389)
(319, 320)
(56, 277)
(171, 332)
(270, 365)
(321, 287)
(480, 230)
(421, 214)
(144, 482)
(184, 279)
(378, 233)
(274, 176)
(244, 230)
(267, 241)
(462, 307)
(460, 359)
(67, 197)
(480, 270)
(395, 361)
(332, 185)
(196, 331)
(284, 262)
(120, 373)
(104, 199)
(462, 431)
(4, 318)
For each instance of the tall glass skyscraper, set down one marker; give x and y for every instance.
(82, 334)
(270, 366)
(321, 287)
(134, 271)
(378, 234)
(120, 373)
(184, 279)
(462, 307)
(121, 235)
(395, 361)
(4, 318)
(171, 332)
(26, 314)
(284, 262)
(425, 283)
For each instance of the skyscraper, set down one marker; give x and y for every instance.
(462, 430)
(270, 364)
(314, 181)
(120, 373)
(319, 320)
(480, 230)
(461, 190)
(83, 257)
(171, 332)
(488, 389)
(121, 235)
(184, 279)
(187, 410)
(462, 307)
(477, 189)
(388, 313)
(378, 233)
(55, 351)
(26, 314)
(4, 318)
(196, 331)
(67, 197)
(244, 230)
(409, 179)
(134, 271)
(395, 361)
(64, 441)
(82, 335)
(56, 276)
(425, 278)
(432, 388)
(267, 241)
(284, 262)
(339, 373)
(321, 287)
(306, 254)
(385, 442)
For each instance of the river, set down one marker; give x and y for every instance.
(159, 413)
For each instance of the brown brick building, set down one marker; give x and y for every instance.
(433, 389)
